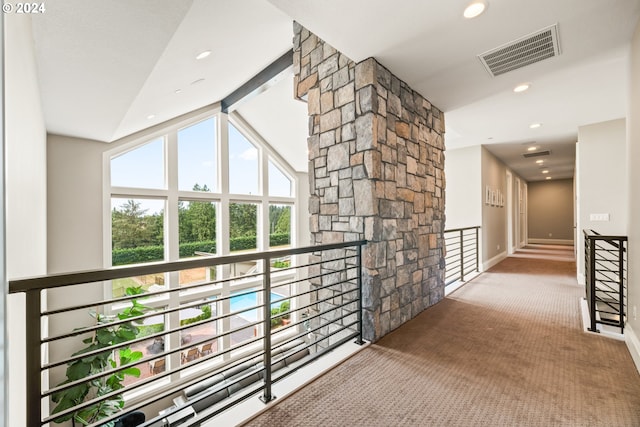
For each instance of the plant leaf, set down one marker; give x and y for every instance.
(78, 370)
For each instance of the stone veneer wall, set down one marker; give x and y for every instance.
(376, 172)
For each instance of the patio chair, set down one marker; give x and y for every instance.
(206, 349)
(156, 366)
(190, 355)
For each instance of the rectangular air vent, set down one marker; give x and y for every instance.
(525, 51)
(537, 153)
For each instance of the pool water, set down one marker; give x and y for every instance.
(240, 302)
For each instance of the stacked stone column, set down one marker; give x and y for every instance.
(376, 171)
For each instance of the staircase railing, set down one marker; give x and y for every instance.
(605, 263)
(321, 286)
(462, 252)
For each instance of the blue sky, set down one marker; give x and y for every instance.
(197, 163)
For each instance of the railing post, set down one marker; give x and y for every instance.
(33, 352)
(359, 340)
(266, 310)
(592, 284)
(621, 283)
(462, 255)
(477, 250)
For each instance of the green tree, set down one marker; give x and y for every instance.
(284, 221)
(243, 220)
(197, 219)
(131, 227)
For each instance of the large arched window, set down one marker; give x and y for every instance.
(208, 185)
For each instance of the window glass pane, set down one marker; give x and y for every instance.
(245, 304)
(243, 226)
(137, 231)
(149, 348)
(197, 233)
(197, 157)
(198, 334)
(142, 167)
(243, 164)
(197, 227)
(148, 283)
(279, 184)
(279, 226)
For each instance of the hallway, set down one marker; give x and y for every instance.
(506, 349)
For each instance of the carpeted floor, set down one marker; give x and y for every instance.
(550, 252)
(504, 350)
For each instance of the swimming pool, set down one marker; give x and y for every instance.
(240, 302)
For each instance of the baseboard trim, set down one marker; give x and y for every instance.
(633, 344)
(493, 261)
(550, 241)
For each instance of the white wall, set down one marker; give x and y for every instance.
(4, 386)
(463, 192)
(601, 182)
(632, 332)
(75, 204)
(494, 219)
(550, 213)
(469, 171)
(26, 191)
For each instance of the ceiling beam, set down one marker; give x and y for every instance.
(259, 83)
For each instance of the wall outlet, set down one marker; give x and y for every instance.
(635, 313)
(498, 247)
(550, 234)
(599, 217)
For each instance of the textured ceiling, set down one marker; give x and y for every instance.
(105, 67)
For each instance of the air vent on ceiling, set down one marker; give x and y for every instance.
(525, 51)
(537, 153)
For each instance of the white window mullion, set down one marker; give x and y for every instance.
(263, 210)
(171, 211)
(172, 248)
(222, 235)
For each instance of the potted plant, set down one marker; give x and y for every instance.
(100, 362)
(284, 308)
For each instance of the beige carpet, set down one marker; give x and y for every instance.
(504, 350)
(549, 252)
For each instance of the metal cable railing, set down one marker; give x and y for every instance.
(605, 263)
(461, 253)
(154, 342)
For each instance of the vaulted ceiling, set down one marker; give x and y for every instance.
(108, 69)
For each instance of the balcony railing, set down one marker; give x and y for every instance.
(461, 253)
(249, 329)
(605, 263)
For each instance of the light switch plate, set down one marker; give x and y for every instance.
(599, 217)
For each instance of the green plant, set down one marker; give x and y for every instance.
(206, 314)
(281, 264)
(277, 319)
(106, 336)
(284, 307)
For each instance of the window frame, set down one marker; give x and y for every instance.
(171, 195)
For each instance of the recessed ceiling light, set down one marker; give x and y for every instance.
(177, 90)
(532, 148)
(545, 171)
(535, 125)
(203, 54)
(548, 177)
(151, 116)
(521, 87)
(474, 9)
(539, 161)
(195, 82)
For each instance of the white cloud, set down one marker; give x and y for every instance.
(249, 154)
